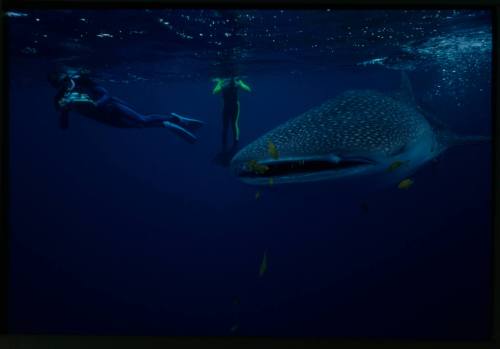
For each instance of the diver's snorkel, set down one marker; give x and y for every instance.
(72, 85)
(59, 80)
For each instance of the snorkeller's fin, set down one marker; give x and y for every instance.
(180, 131)
(192, 124)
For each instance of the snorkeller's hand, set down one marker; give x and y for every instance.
(219, 85)
(244, 86)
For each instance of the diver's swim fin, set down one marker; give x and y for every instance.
(189, 123)
(180, 131)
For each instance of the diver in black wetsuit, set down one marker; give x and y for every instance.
(230, 113)
(79, 93)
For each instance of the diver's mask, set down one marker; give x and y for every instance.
(59, 80)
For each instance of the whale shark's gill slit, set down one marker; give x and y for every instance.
(281, 168)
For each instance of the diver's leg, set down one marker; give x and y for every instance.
(121, 101)
(156, 120)
(189, 123)
(170, 122)
(180, 131)
(236, 127)
(129, 116)
(225, 124)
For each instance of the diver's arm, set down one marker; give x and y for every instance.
(217, 88)
(57, 98)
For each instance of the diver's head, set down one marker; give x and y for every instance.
(57, 79)
(232, 81)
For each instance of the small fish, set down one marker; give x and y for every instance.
(272, 150)
(395, 165)
(263, 264)
(236, 301)
(405, 183)
(257, 195)
(271, 181)
(234, 328)
(255, 167)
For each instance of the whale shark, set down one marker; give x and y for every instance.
(358, 133)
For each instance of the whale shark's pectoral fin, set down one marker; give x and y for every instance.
(399, 151)
(180, 131)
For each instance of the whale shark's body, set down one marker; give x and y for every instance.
(360, 132)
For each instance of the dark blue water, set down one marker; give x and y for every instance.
(134, 231)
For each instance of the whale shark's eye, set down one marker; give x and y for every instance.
(289, 167)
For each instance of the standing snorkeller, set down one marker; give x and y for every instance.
(230, 114)
(77, 92)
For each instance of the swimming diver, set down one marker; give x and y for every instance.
(230, 113)
(77, 92)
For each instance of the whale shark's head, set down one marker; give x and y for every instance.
(357, 133)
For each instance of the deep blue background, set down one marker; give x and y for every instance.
(137, 232)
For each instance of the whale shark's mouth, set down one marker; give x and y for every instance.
(293, 167)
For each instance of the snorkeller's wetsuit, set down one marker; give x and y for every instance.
(231, 110)
(79, 93)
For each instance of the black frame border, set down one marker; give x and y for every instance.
(67, 341)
